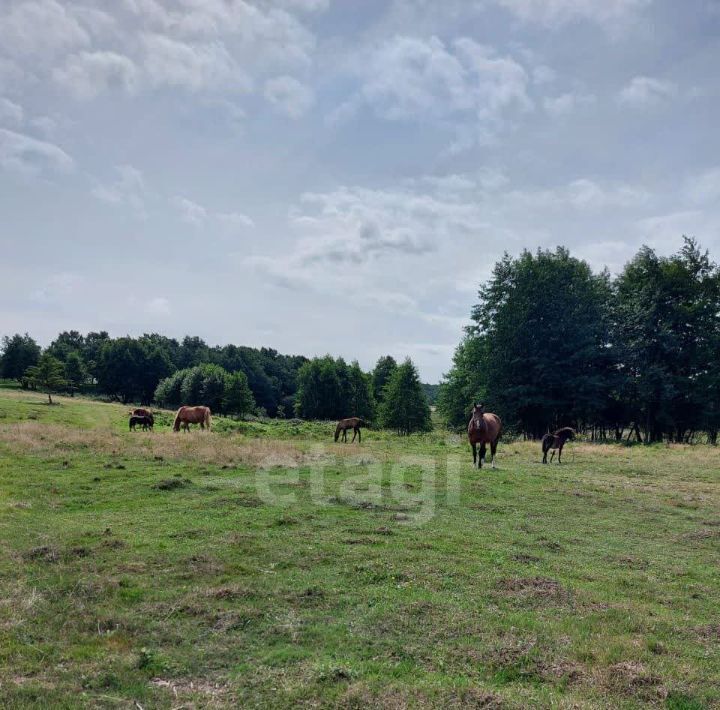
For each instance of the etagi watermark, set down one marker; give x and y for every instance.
(412, 487)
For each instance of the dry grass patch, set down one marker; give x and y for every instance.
(197, 447)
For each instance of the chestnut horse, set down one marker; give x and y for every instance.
(192, 415)
(556, 441)
(483, 428)
(353, 423)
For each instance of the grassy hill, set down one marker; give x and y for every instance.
(263, 565)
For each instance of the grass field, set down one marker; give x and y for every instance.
(262, 565)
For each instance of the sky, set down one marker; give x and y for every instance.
(337, 176)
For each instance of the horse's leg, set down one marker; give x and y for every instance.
(560, 448)
(359, 433)
(544, 455)
(474, 448)
(493, 449)
(355, 431)
(482, 454)
(552, 455)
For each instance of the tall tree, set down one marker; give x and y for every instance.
(320, 391)
(538, 349)
(238, 399)
(384, 369)
(18, 353)
(75, 372)
(360, 398)
(404, 407)
(47, 376)
(667, 324)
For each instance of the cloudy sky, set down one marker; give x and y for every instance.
(335, 175)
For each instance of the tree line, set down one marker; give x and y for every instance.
(553, 344)
(229, 379)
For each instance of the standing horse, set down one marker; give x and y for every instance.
(192, 415)
(354, 423)
(146, 422)
(556, 441)
(483, 428)
(146, 418)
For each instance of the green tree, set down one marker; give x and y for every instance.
(238, 399)
(538, 351)
(169, 391)
(75, 372)
(360, 397)
(320, 391)
(384, 369)
(47, 376)
(18, 353)
(404, 407)
(667, 317)
(464, 384)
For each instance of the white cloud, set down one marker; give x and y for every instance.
(40, 27)
(644, 91)
(565, 104)
(87, 74)
(543, 75)
(129, 189)
(11, 114)
(560, 12)
(158, 306)
(409, 78)
(56, 287)
(199, 216)
(28, 156)
(190, 212)
(289, 95)
(704, 187)
(193, 66)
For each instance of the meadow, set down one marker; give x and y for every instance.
(262, 565)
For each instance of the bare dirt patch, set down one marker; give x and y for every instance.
(537, 590)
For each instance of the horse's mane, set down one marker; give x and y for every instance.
(566, 430)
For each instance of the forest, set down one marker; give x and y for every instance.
(553, 344)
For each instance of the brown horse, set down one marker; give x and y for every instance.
(354, 423)
(144, 414)
(192, 415)
(140, 412)
(556, 441)
(483, 428)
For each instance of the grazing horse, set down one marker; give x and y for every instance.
(556, 441)
(354, 423)
(192, 415)
(146, 422)
(140, 412)
(483, 428)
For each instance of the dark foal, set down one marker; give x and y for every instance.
(354, 423)
(556, 442)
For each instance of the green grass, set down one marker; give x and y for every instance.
(263, 565)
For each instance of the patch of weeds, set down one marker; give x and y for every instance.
(334, 674)
(150, 662)
(43, 553)
(681, 701)
(171, 484)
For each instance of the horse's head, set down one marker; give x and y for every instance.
(477, 414)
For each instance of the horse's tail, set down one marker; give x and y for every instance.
(547, 441)
(176, 423)
(208, 418)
